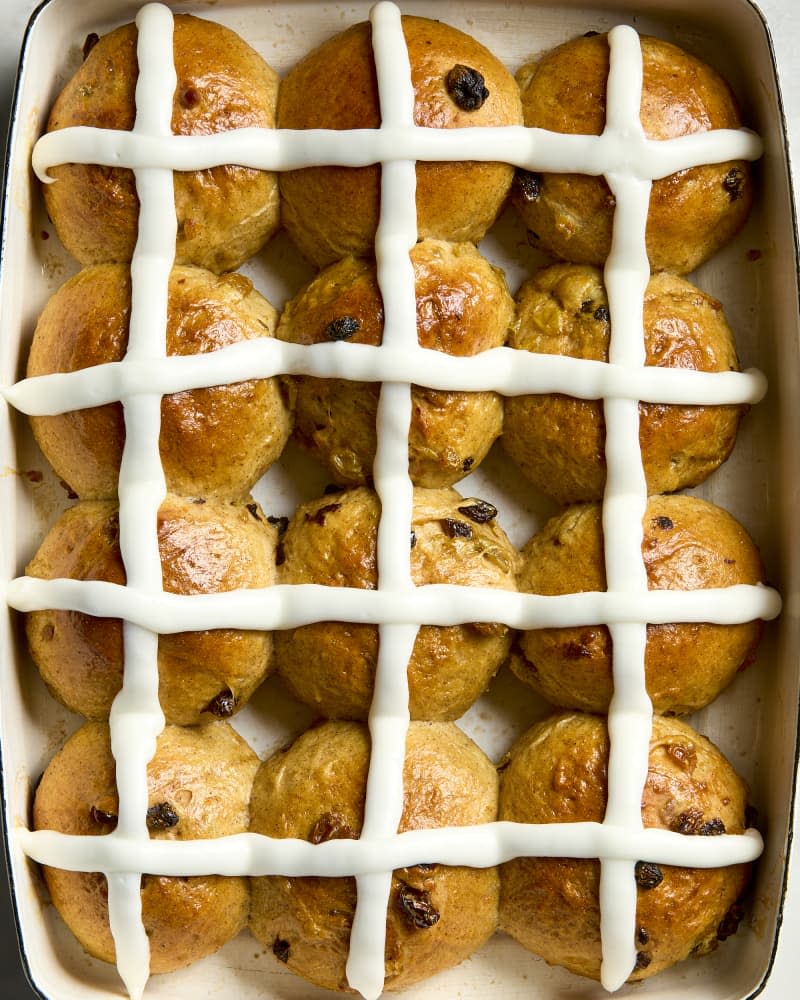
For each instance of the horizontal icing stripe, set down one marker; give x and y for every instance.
(285, 149)
(292, 605)
(502, 369)
(480, 846)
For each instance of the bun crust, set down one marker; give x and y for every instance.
(205, 548)
(225, 214)
(314, 790)
(558, 441)
(692, 213)
(463, 307)
(332, 541)
(199, 786)
(332, 212)
(214, 442)
(557, 773)
(689, 544)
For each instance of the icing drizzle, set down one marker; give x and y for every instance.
(630, 162)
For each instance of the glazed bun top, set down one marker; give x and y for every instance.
(215, 441)
(692, 213)
(201, 775)
(463, 307)
(315, 790)
(557, 773)
(225, 214)
(688, 544)
(559, 441)
(331, 212)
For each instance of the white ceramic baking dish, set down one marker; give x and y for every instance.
(754, 722)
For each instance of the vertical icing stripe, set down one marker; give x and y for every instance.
(626, 275)
(617, 898)
(389, 716)
(624, 86)
(136, 717)
(392, 66)
(127, 929)
(365, 965)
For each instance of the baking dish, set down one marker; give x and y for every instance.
(754, 722)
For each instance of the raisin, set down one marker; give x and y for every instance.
(280, 949)
(413, 538)
(102, 818)
(687, 822)
(601, 314)
(222, 705)
(587, 306)
(189, 97)
(467, 87)
(729, 924)
(733, 182)
(111, 530)
(642, 936)
(648, 875)
(280, 554)
(684, 756)
(575, 651)
(456, 529)
(643, 959)
(480, 511)
(281, 523)
(161, 817)
(253, 509)
(528, 185)
(467, 464)
(663, 522)
(91, 40)
(331, 826)
(342, 328)
(417, 907)
(713, 828)
(318, 517)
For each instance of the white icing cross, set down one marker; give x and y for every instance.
(630, 162)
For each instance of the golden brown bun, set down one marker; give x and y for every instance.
(692, 213)
(332, 541)
(559, 441)
(331, 212)
(688, 544)
(225, 214)
(463, 307)
(214, 442)
(557, 773)
(199, 785)
(315, 790)
(206, 547)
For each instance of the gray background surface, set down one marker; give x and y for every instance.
(784, 20)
